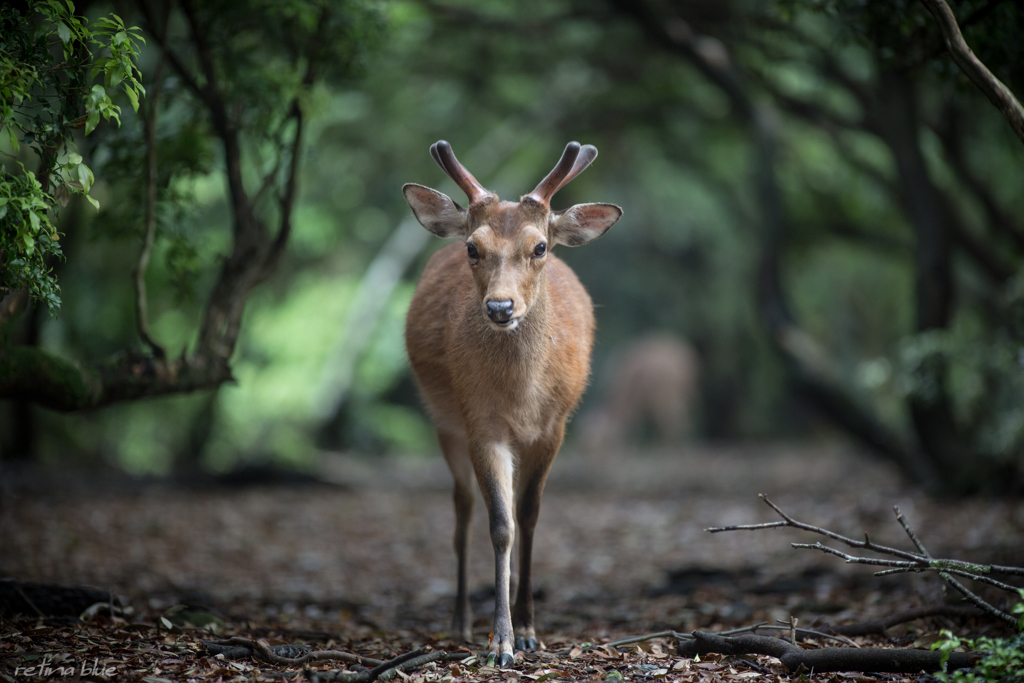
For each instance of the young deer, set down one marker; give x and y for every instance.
(499, 335)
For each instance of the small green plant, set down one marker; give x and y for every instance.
(1003, 658)
(49, 60)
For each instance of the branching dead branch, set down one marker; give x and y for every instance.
(911, 562)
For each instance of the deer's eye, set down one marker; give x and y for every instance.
(540, 249)
(471, 250)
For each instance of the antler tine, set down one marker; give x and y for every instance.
(586, 157)
(547, 188)
(574, 161)
(445, 158)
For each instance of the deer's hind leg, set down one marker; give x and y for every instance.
(456, 454)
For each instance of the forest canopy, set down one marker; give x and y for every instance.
(817, 196)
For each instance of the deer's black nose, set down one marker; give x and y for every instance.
(500, 311)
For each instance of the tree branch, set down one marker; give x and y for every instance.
(179, 66)
(1000, 96)
(287, 201)
(149, 223)
(952, 146)
(245, 225)
(988, 260)
(31, 374)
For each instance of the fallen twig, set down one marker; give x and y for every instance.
(910, 562)
(296, 655)
(237, 647)
(753, 628)
(387, 670)
(882, 660)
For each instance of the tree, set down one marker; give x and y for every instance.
(244, 75)
(951, 445)
(49, 59)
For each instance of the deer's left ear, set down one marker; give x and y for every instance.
(582, 223)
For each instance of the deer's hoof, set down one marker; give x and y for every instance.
(526, 643)
(503, 660)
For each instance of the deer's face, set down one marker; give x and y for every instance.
(507, 243)
(507, 253)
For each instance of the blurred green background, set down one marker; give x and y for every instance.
(320, 364)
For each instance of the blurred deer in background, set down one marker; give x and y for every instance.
(499, 334)
(656, 381)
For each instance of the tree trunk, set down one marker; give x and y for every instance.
(931, 411)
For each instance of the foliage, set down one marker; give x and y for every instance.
(508, 85)
(49, 59)
(1003, 659)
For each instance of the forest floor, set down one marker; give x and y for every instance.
(365, 564)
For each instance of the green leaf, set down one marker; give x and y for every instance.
(85, 177)
(14, 138)
(93, 202)
(74, 159)
(63, 31)
(133, 98)
(33, 218)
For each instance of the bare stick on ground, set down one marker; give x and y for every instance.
(292, 655)
(236, 648)
(882, 660)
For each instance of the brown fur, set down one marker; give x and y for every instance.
(499, 394)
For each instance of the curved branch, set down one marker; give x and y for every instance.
(1001, 96)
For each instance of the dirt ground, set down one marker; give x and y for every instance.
(366, 563)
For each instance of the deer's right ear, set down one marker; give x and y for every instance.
(436, 211)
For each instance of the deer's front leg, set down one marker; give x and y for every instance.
(493, 463)
(534, 466)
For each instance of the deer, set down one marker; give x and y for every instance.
(499, 334)
(657, 380)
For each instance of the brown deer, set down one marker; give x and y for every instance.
(499, 335)
(657, 380)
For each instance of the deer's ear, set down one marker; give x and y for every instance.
(583, 223)
(436, 211)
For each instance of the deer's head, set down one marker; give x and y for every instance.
(507, 243)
